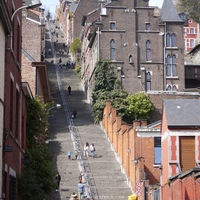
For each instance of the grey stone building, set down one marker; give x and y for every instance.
(144, 44)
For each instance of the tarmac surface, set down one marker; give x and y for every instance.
(103, 176)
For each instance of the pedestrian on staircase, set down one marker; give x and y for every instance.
(58, 179)
(86, 148)
(80, 188)
(69, 90)
(92, 150)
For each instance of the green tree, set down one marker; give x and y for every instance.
(190, 7)
(139, 106)
(75, 46)
(48, 15)
(106, 87)
(37, 181)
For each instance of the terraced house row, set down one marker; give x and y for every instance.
(23, 73)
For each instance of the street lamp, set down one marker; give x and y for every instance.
(55, 106)
(34, 4)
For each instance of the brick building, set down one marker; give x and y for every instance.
(147, 54)
(147, 166)
(34, 70)
(191, 32)
(5, 30)
(135, 146)
(180, 149)
(15, 118)
(192, 69)
(15, 113)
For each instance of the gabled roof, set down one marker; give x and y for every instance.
(182, 112)
(169, 13)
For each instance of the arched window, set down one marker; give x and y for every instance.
(173, 40)
(169, 88)
(148, 50)
(168, 38)
(173, 65)
(130, 59)
(174, 88)
(148, 81)
(168, 64)
(112, 49)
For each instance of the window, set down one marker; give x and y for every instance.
(171, 66)
(157, 150)
(148, 81)
(148, 50)
(173, 37)
(192, 31)
(112, 49)
(171, 40)
(130, 59)
(174, 88)
(17, 113)
(168, 65)
(168, 40)
(147, 26)
(191, 43)
(169, 88)
(11, 104)
(112, 25)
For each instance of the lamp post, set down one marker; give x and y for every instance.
(34, 4)
(56, 106)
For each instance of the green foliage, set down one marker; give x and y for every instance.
(36, 120)
(139, 106)
(38, 178)
(48, 15)
(78, 70)
(190, 7)
(75, 46)
(106, 87)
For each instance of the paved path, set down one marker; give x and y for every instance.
(103, 173)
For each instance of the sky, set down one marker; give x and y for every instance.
(51, 4)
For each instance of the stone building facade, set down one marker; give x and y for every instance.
(143, 43)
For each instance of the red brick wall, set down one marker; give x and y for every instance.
(129, 147)
(186, 187)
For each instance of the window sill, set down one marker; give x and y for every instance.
(157, 166)
(172, 77)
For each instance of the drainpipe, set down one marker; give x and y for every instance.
(164, 57)
(98, 44)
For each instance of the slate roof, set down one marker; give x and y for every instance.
(169, 13)
(182, 112)
(74, 6)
